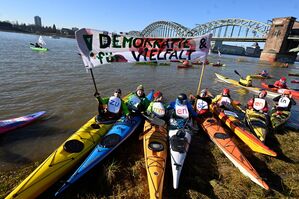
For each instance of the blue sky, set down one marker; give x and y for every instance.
(117, 15)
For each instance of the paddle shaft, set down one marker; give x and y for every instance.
(238, 74)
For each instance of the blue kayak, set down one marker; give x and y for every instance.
(120, 131)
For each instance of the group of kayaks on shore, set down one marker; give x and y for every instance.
(165, 126)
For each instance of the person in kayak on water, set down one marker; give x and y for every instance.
(37, 45)
(246, 82)
(157, 108)
(282, 83)
(284, 101)
(115, 106)
(259, 103)
(264, 73)
(202, 102)
(138, 101)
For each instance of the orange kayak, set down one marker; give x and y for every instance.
(155, 154)
(226, 144)
(232, 121)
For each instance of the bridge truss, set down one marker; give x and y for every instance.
(225, 28)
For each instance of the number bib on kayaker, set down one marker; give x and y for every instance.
(114, 104)
(201, 105)
(182, 111)
(134, 101)
(284, 102)
(224, 101)
(259, 104)
(158, 109)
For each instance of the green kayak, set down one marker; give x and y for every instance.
(38, 49)
(278, 118)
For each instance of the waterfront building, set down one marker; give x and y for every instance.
(37, 21)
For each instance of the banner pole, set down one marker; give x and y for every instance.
(200, 79)
(94, 82)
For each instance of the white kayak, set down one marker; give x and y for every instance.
(179, 141)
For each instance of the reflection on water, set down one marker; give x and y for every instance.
(56, 81)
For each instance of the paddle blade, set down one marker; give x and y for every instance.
(154, 120)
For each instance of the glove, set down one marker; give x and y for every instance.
(96, 94)
(129, 117)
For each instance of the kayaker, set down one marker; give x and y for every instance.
(246, 82)
(224, 99)
(157, 108)
(182, 108)
(281, 83)
(115, 106)
(264, 73)
(284, 101)
(203, 101)
(37, 45)
(259, 103)
(138, 101)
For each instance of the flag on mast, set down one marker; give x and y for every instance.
(101, 47)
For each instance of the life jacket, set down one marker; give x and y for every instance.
(114, 104)
(134, 101)
(181, 111)
(158, 109)
(284, 102)
(202, 106)
(259, 103)
(245, 82)
(224, 101)
(279, 84)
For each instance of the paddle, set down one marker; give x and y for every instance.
(154, 120)
(32, 44)
(238, 73)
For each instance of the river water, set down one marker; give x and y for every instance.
(56, 81)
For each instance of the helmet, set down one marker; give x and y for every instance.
(140, 87)
(203, 93)
(225, 91)
(287, 92)
(263, 93)
(117, 91)
(157, 94)
(264, 71)
(185, 62)
(182, 98)
(283, 79)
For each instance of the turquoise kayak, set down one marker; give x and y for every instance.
(120, 131)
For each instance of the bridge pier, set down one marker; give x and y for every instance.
(277, 45)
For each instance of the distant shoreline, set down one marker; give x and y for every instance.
(44, 34)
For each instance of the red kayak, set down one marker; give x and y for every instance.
(184, 66)
(11, 124)
(270, 87)
(295, 81)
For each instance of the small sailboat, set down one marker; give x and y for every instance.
(38, 46)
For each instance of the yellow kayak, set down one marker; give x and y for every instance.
(61, 161)
(231, 120)
(155, 154)
(257, 123)
(252, 89)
